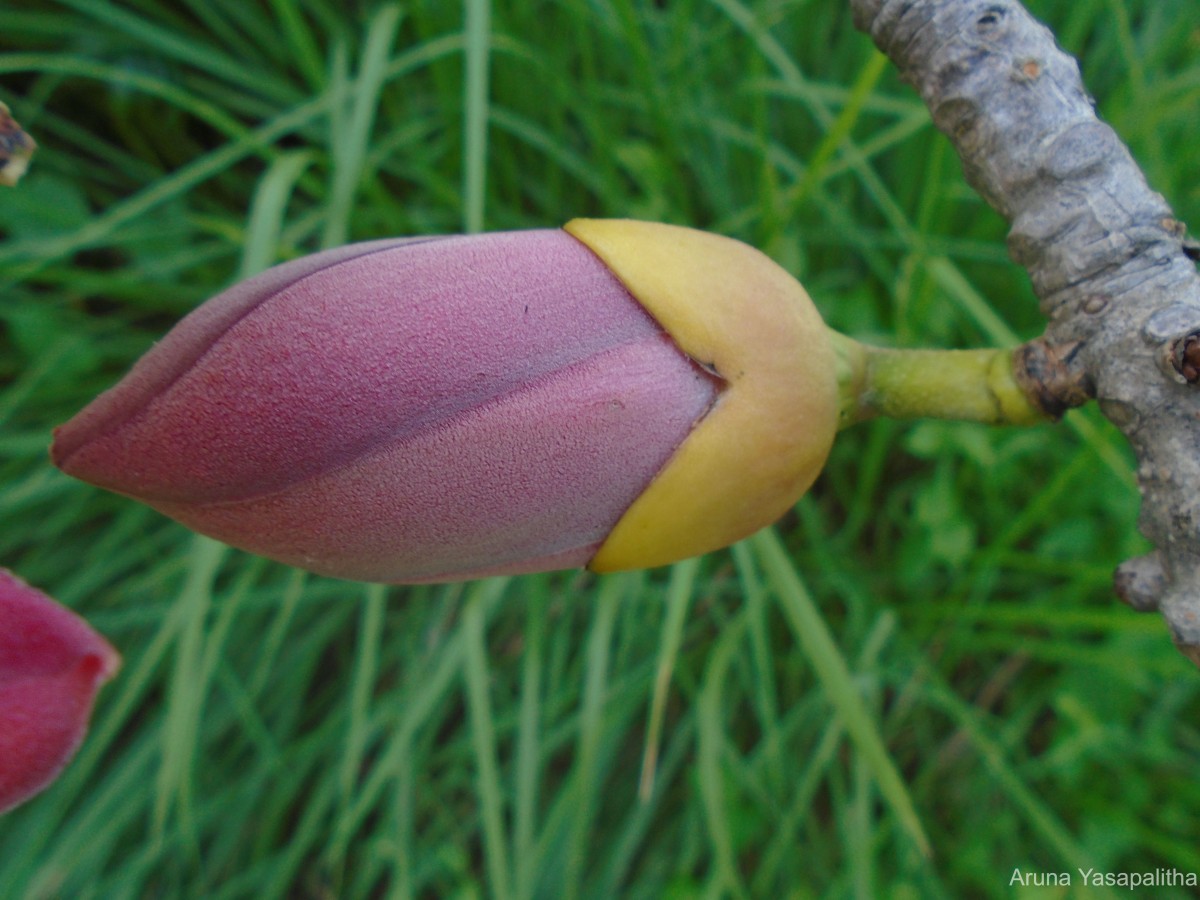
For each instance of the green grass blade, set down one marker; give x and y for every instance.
(268, 211)
(679, 597)
(812, 633)
(585, 777)
(483, 734)
(477, 36)
(711, 747)
(351, 128)
(190, 686)
(529, 745)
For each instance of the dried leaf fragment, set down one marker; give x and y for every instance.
(16, 148)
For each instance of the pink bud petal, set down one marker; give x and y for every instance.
(403, 411)
(51, 665)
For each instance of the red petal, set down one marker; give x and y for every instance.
(51, 665)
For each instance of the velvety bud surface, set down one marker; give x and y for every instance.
(51, 665)
(403, 410)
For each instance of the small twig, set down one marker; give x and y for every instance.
(964, 385)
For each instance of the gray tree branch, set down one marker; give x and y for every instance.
(1111, 265)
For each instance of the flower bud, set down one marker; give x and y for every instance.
(51, 665)
(620, 394)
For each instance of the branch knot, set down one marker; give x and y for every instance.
(1051, 377)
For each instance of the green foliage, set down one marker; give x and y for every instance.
(926, 650)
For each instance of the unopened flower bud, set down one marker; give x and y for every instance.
(617, 394)
(51, 665)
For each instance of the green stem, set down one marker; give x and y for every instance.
(966, 385)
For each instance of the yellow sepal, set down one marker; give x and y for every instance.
(733, 310)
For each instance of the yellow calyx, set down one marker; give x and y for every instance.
(731, 309)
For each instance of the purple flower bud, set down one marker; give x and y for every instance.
(51, 665)
(406, 410)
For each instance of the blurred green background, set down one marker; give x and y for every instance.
(916, 683)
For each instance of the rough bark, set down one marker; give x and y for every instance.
(1111, 265)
